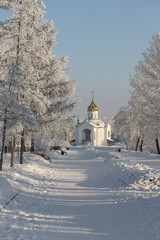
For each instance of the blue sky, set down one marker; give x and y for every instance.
(104, 39)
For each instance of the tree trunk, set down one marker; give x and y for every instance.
(10, 146)
(137, 144)
(157, 146)
(2, 150)
(18, 150)
(22, 148)
(32, 145)
(3, 141)
(5, 149)
(141, 146)
(13, 152)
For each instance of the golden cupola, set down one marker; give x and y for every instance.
(92, 107)
(92, 110)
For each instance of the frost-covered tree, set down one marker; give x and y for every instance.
(13, 90)
(61, 133)
(22, 36)
(122, 127)
(142, 117)
(65, 132)
(128, 127)
(27, 39)
(12, 109)
(146, 88)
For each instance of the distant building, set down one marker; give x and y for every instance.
(93, 131)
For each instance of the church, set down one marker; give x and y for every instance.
(93, 131)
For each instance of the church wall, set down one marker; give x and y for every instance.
(77, 136)
(100, 137)
(109, 131)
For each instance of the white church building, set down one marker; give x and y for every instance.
(93, 131)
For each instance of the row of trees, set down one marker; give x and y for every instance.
(34, 87)
(139, 122)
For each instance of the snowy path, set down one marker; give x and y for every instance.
(81, 196)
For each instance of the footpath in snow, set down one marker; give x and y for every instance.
(88, 194)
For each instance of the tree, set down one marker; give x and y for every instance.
(61, 133)
(146, 87)
(128, 127)
(27, 41)
(142, 117)
(12, 68)
(12, 110)
(123, 125)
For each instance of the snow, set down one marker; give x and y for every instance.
(96, 123)
(90, 193)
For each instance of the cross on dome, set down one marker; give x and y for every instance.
(92, 95)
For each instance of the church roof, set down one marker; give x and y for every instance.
(97, 123)
(93, 123)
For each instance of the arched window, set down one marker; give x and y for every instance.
(86, 135)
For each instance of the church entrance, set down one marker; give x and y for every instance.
(86, 135)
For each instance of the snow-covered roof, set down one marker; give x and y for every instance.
(96, 123)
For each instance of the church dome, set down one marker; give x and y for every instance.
(92, 107)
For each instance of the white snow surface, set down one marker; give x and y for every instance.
(92, 193)
(96, 123)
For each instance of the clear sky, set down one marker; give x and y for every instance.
(104, 39)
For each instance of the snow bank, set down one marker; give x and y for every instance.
(120, 172)
(136, 175)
